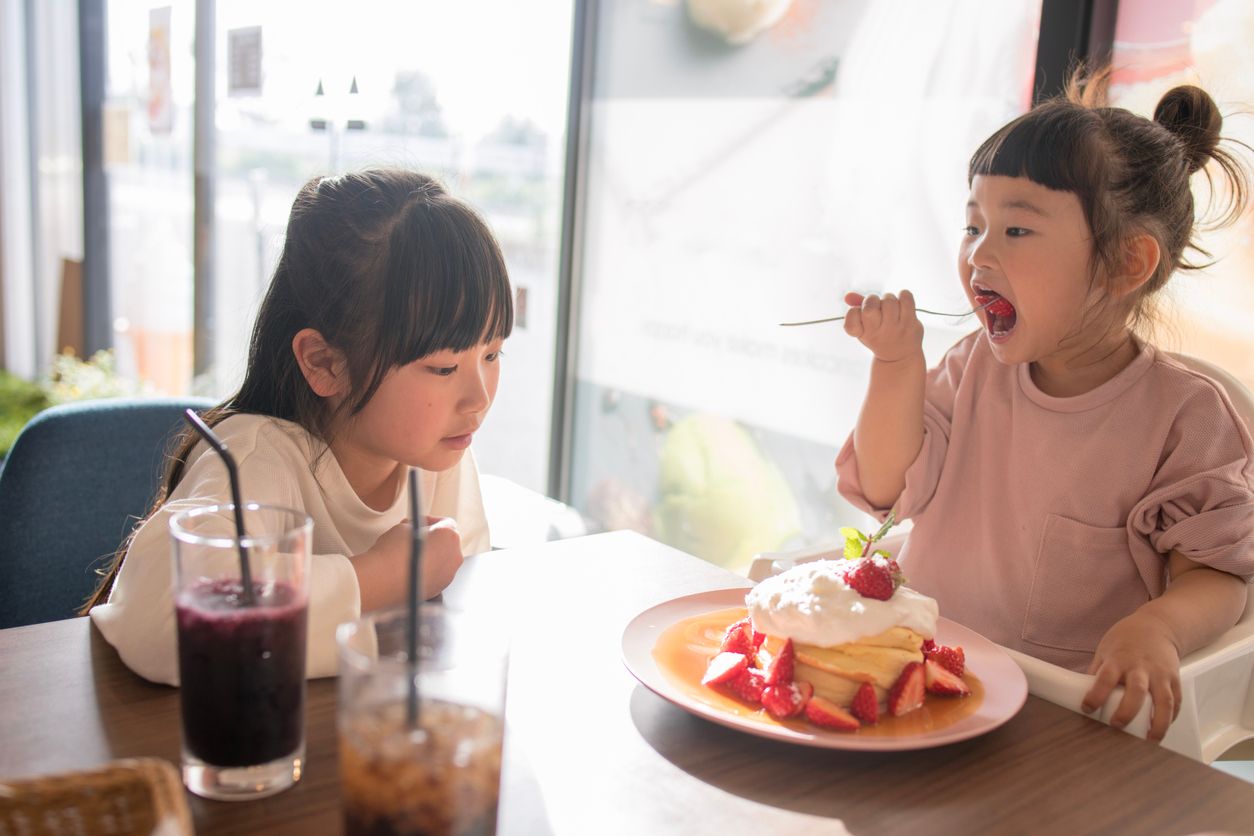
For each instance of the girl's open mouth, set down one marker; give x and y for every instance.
(999, 313)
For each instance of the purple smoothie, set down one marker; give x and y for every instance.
(242, 671)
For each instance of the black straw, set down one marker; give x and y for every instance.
(415, 575)
(232, 473)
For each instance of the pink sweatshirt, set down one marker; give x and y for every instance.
(1039, 521)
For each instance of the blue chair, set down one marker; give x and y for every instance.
(78, 478)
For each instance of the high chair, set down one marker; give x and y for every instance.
(1216, 681)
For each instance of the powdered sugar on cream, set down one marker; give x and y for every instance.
(812, 604)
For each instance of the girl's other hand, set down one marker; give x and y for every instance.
(383, 569)
(1137, 652)
(887, 325)
(441, 555)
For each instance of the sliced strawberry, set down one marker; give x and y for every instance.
(951, 658)
(806, 690)
(928, 646)
(866, 706)
(747, 685)
(907, 692)
(780, 669)
(784, 700)
(758, 638)
(942, 681)
(724, 667)
(829, 715)
(739, 638)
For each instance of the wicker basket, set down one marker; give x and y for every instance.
(134, 797)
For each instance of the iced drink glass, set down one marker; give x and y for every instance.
(241, 665)
(439, 771)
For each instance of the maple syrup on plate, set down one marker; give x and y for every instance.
(685, 648)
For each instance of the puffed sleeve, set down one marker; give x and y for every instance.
(924, 472)
(1201, 503)
(334, 597)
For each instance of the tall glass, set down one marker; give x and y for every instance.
(241, 664)
(435, 768)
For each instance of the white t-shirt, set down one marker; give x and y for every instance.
(279, 464)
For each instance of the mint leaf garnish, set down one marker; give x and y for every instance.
(855, 542)
(858, 544)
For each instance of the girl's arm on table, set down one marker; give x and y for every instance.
(1143, 650)
(383, 569)
(889, 432)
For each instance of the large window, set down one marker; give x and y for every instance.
(473, 92)
(147, 114)
(734, 173)
(743, 177)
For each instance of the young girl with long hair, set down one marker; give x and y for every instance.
(375, 350)
(1077, 494)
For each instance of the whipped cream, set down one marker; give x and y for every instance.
(812, 604)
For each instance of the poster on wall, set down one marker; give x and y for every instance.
(160, 87)
(243, 61)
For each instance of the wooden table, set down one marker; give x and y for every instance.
(590, 751)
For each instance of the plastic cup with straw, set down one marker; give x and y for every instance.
(415, 575)
(232, 471)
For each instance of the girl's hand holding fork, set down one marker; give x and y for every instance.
(886, 325)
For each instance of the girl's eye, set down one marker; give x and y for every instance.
(494, 356)
(443, 371)
(971, 231)
(1016, 232)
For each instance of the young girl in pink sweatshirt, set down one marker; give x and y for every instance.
(1076, 493)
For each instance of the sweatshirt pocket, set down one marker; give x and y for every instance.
(1084, 581)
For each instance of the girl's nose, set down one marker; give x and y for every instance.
(476, 397)
(980, 252)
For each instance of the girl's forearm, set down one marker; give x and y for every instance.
(889, 431)
(1199, 604)
(382, 581)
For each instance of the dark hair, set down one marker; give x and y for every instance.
(388, 267)
(1130, 173)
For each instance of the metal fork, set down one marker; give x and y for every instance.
(917, 310)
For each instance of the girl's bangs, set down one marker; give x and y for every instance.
(452, 284)
(1047, 146)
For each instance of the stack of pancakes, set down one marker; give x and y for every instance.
(837, 672)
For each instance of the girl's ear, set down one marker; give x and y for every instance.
(324, 366)
(1141, 255)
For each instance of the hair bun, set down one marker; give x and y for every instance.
(1192, 116)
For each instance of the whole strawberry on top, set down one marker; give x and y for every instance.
(874, 577)
(873, 573)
